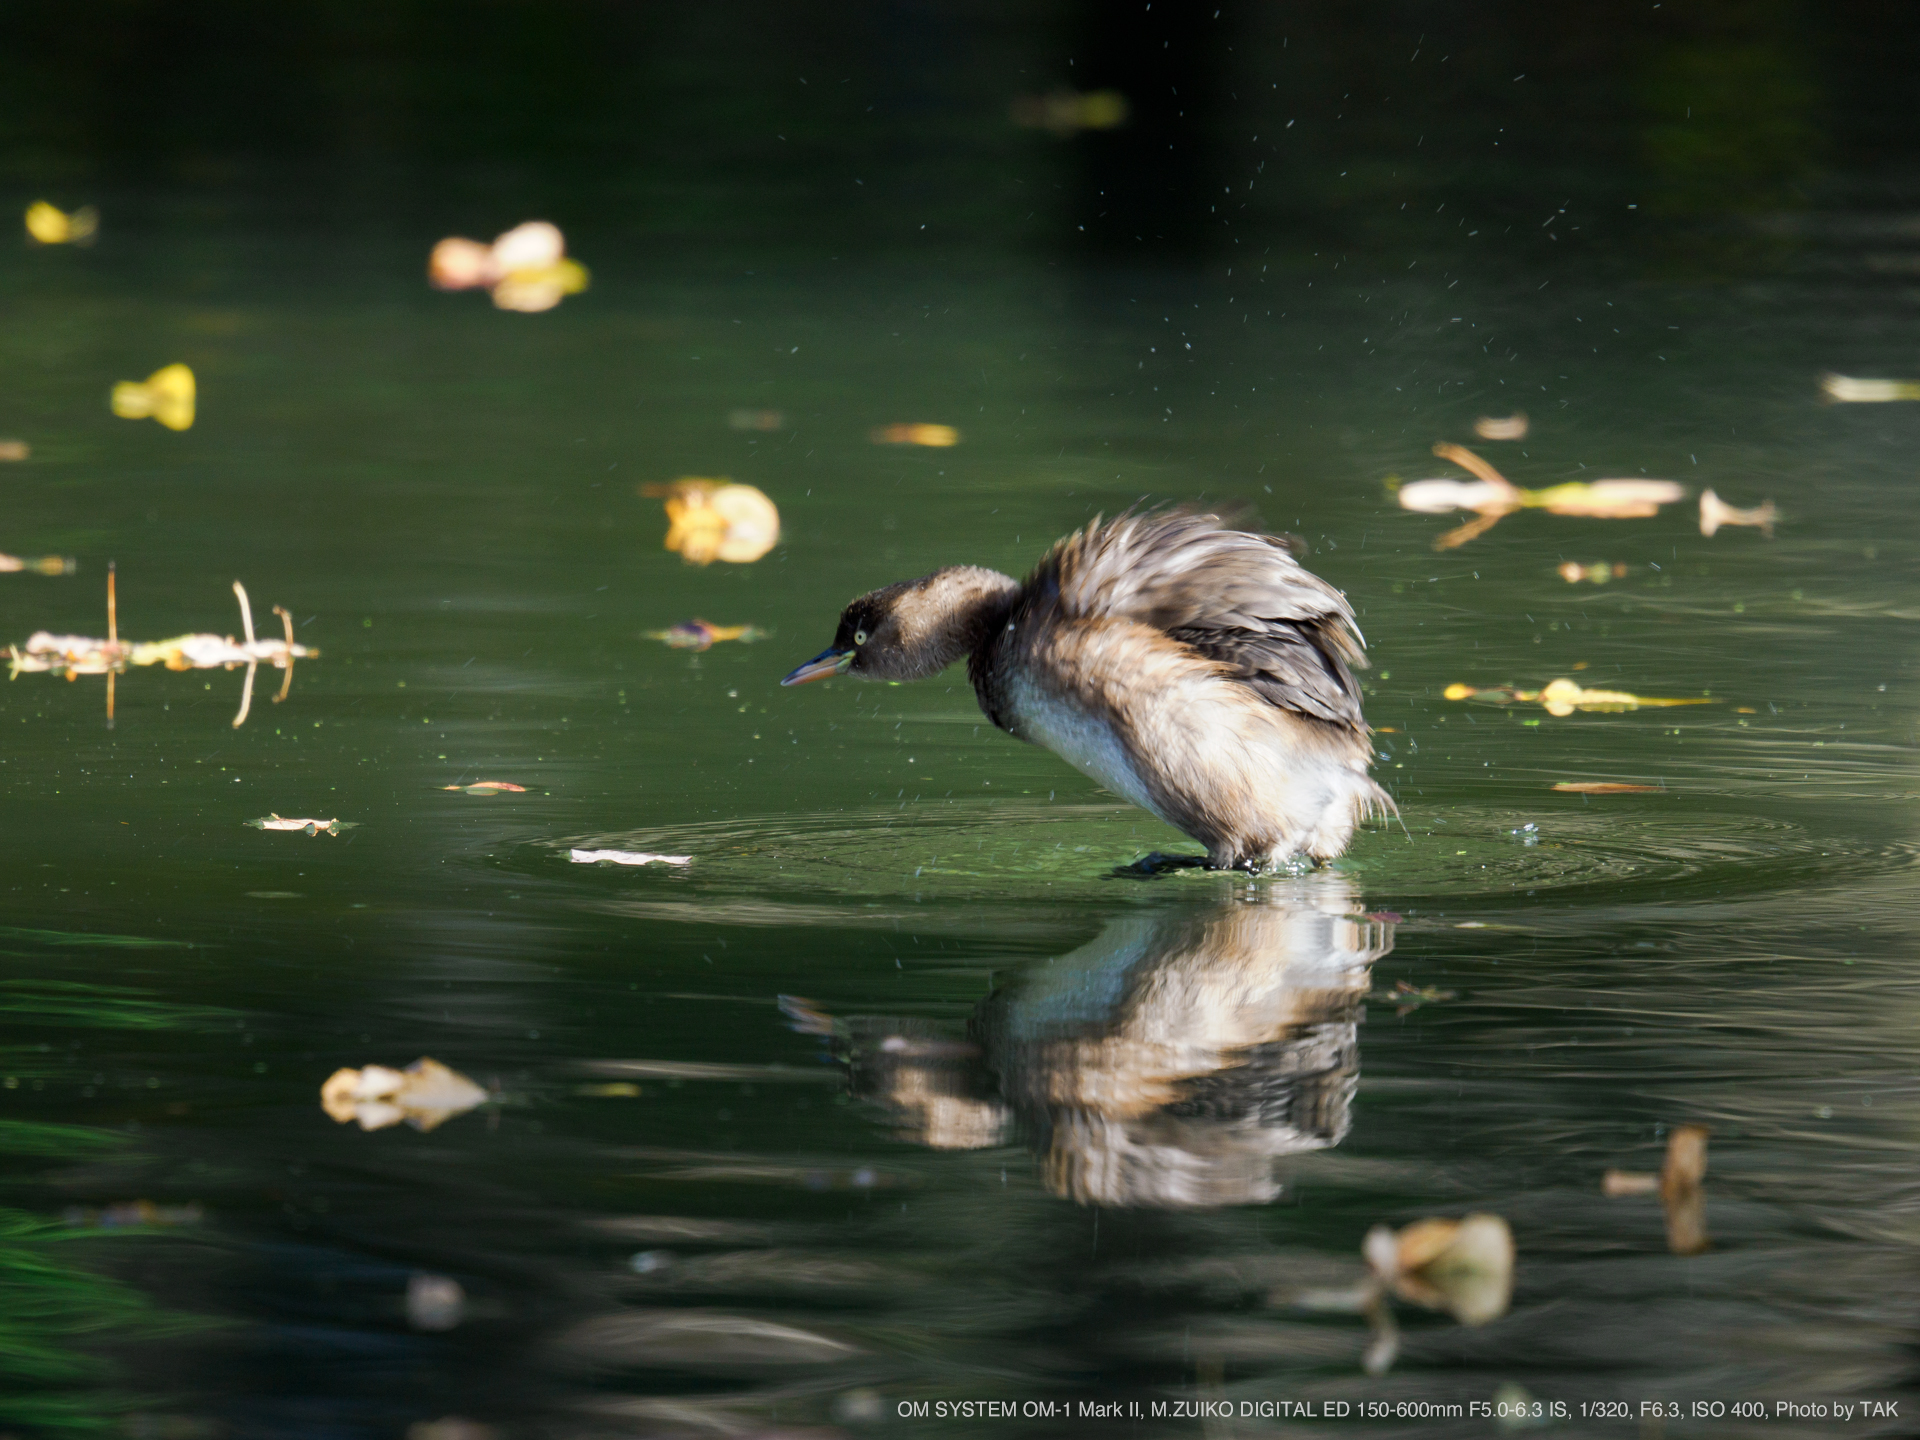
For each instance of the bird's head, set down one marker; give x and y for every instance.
(913, 629)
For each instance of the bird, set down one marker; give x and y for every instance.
(1196, 670)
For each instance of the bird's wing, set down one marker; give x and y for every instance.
(1237, 598)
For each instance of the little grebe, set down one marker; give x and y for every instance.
(1195, 670)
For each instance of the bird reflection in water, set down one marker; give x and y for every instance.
(1166, 1064)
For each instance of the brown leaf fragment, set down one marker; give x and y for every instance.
(1681, 1187)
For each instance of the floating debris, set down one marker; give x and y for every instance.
(1606, 787)
(804, 1017)
(451, 1427)
(756, 420)
(435, 1302)
(1068, 112)
(488, 787)
(50, 225)
(526, 268)
(1510, 427)
(1464, 1267)
(424, 1095)
(135, 1212)
(1680, 1184)
(1715, 512)
(1493, 497)
(167, 395)
(1573, 572)
(14, 450)
(76, 655)
(1563, 697)
(937, 437)
(1847, 390)
(68, 655)
(704, 635)
(625, 857)
(39, 564)
(715, 519)
(305, 827)
(1406, 997)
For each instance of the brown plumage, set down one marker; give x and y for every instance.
(1196, 670)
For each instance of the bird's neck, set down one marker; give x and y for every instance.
(963, 609)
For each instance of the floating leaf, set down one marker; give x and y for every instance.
(14, 450)
(135, 1212)
(1439, 497)
(756, 420)
(1494, 497)
(1407, 997)
(1681, 1186)
(1605, 499)
(1715, 512)
(1563, 697)
(1607, 787)
(488, 787)
(526, 268)
(305, 827)
(68, 655)
(1067, 112)
(40, 565)
(49, 225)
(167, 395)
(936, 436)
(703, 634)
(424, 1094)
(1572, 571)
(1510, 427)
(435, 1302)
(625, 857)
(1851, 391)
(1464, 1267)
(715, 519)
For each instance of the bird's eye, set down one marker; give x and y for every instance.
(859, 637)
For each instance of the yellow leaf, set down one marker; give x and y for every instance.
(167, 395)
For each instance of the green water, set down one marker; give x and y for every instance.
(1074, 1136)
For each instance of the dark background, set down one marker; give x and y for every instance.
(843, 127)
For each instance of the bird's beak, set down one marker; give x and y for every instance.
(824, 666)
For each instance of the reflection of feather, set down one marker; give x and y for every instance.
(1170, 1060)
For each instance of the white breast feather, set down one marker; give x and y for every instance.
(1083, 741)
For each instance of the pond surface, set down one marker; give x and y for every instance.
(895, 1091)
